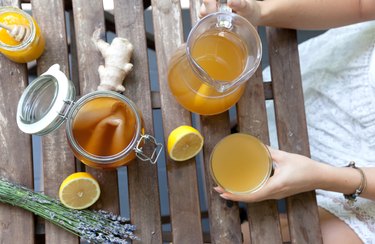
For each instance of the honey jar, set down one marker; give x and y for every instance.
(31, 47)
(104, 129)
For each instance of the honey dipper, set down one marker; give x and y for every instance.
(18, 32)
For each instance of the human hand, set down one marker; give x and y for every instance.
(293, 174)
(248, 9)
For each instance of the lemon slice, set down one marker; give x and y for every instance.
(79, 190)
(202, 97)
(184, 142)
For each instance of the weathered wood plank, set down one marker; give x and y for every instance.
(252, 119)
(291, 127)
(58, 159)
(142, 176)
(87, 19)
(182, 177)
(194, 11)
(74, 69)
(16, 164)
(224, 216)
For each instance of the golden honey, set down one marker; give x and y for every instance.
(29, 49)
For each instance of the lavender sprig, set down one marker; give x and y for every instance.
(93, 226)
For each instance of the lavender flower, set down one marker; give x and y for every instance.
(93, 226)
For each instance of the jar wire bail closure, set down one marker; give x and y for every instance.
(148, 141)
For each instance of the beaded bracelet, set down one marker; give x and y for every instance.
(353, 197)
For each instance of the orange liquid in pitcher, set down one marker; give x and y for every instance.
(240, 163)
(104, 126)
(223, 56)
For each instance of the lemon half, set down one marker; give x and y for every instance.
(79, 191)
(184, 142)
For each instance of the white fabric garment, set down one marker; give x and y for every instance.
(338, 73)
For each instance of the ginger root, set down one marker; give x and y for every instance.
(116, 62)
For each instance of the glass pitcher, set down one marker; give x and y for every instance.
(207, 75)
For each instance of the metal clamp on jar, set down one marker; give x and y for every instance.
(104, 128)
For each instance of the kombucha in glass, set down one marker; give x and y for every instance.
(240, 163)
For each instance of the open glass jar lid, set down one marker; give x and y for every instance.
(43, 104)
(104, 128)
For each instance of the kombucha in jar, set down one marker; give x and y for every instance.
(27, 50)
(240, 163)
(104, 129)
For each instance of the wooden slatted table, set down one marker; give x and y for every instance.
(79, 59)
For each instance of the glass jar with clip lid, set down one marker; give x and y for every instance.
(104, 129)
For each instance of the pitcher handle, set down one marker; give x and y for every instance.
(224, 21)
(222, 6)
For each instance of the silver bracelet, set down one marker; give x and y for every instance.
(353, 197)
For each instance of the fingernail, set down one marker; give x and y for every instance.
(218, 189)
(223, 196)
